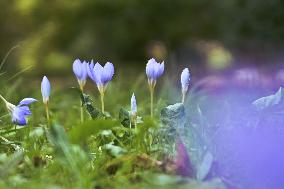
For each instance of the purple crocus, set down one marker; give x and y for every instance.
(80, 71)
(101, 76)
(133, 105)
(45, 90)
(19, 112)
(153, 70)
(182, 162)
(184, 78)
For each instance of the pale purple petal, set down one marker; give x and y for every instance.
(98, 71)
(27, 101)
(108, 72)
(84, 71)
(90, 70)
(150, 68)
(77, 68)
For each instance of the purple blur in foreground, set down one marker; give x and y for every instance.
(182, 162)
(154, 70)
(101, 75)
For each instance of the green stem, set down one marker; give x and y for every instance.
(81, 107)
(4, 100)
(47, 112)
(183, 97)
(103, 103)
(152, 100)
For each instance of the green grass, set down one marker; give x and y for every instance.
(98, 153)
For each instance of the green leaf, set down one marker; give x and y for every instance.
(11, 164)
(82, 132)
(94, 112)
(124, 117)
(115, 151)
(269, 101)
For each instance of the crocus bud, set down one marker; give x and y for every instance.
(101, 75)
(133, 106)
(185, 78)
(154, 70)
(45, 89)
(80, 71)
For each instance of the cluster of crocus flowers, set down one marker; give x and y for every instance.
(185, 79)
(101, 75)
(20, 112)
(45, 91)
(153, 70)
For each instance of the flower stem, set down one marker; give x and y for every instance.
(81, 107)
(4, 100)
(47, 113)
(152, 100)
(103, 103)
(183, 98)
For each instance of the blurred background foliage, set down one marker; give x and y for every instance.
(49, 35)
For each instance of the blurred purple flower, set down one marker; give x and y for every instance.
(45, 89)
(133, 105)
(185, 78)
(20, 112)
(182, 162)
(101, 75)
(247, 77)
(80, 71)
(154, 70)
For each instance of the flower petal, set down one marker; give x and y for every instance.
(90, 70)
(27, 101)
(150, 68)
(108, 72)
(84, 70)
(77, 68)
(98, 71)
(19, 115)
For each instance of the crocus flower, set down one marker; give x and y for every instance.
(153, 70)
(19, 112)
(133, 105)
(183, 163)
(45, 90)
(184, 78)
(101, 76)
(80, 71)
